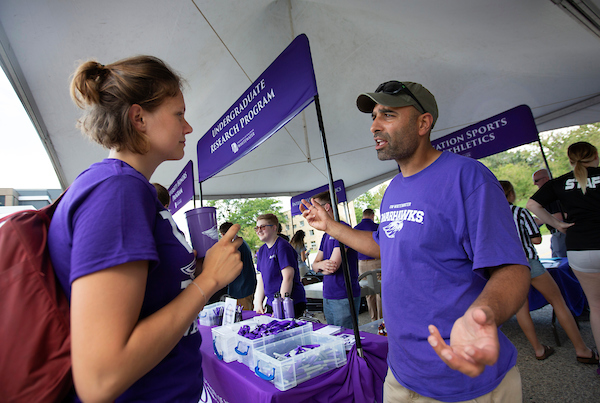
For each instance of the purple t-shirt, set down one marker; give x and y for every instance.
(270, 262)
(334, 285)
(439, 229)
(111, 215)
(366, 224)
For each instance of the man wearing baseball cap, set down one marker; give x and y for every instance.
(453, 269)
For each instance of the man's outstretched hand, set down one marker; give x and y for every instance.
(473, 342)
(316, 216)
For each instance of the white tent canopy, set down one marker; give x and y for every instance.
(478, 57)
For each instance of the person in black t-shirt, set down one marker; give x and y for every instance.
(557, 242)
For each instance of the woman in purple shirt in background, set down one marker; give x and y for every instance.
(134, 287)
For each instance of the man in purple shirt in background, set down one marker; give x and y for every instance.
(368, 263)
(336, 306)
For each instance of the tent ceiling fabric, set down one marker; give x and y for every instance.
(478, 57)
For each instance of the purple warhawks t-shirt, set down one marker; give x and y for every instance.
(109, 216)
(270, 262)
(334, 285)
(366, 224)
(439, 229)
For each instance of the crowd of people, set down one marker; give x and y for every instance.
(456, 258)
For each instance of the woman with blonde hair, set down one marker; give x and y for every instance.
(132, 280)
(542, 281)
(579, 193)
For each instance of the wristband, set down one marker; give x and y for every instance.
(201, 292)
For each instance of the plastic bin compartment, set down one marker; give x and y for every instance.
(207, 316)
(229, 346)
(289, 372)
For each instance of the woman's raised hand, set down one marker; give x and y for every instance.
(222, 262)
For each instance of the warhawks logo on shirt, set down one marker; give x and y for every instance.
(190, 269)
(392, 228)
(396, 219)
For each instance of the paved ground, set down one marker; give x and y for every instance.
(559, 378)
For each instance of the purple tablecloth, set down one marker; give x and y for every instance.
(568, 284)
(360, 380)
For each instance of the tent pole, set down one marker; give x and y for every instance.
(201, 203)
(544, 156)
(347, 213)
(194, 187)
(336, 216)
(292, 221)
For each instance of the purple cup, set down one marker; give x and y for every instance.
(202, 223)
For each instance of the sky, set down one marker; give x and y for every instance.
(24, 163)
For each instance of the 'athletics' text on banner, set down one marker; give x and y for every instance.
(504, 131)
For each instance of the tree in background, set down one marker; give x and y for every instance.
(556, 144)
(370, 199)
(516, 167)
(244, 212)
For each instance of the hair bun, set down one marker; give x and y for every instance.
(97, 72)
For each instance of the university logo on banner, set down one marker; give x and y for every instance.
(340, 194)
(282, 91)
(502, 132)
(182, 189)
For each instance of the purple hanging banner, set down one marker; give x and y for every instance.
(340, 194)
(182, 189)
(282, 91)
(502, 132)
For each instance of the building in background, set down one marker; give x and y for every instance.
(13, 200)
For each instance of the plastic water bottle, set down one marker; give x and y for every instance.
(288, 306)
(277, 306)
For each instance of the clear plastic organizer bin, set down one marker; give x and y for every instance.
(229, 346)
(207, 316)
(289, 372)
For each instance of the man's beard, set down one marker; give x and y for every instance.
(400, 150)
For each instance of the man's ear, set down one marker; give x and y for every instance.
(136, 117)
(425, 123)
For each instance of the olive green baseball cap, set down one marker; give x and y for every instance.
(397, 94)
